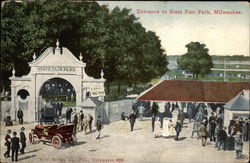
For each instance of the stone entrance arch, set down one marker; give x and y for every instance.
(53, 63)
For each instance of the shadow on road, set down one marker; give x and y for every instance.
(169, 137)
(138, 129)
(27, 157)
(209, 143)
(80, 143)
(33, 151)
(105, 136)
(90, 132)
(182, 138)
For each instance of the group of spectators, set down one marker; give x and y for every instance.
(212, 127)
(84, 122)
(207, 123)
(12, 144)
(81, 121)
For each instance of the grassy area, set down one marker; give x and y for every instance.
(233, 72)
(155, 81)
(69, 103)
(179, 76)
(232, 66)
(112, 95)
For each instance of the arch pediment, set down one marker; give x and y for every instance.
(57, 57)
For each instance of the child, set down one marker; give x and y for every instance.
(238, 146)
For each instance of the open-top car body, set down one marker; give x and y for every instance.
(55, 134)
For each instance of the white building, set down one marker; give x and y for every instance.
(238, 106)
(53, 63)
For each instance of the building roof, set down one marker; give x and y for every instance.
(238, 103)
(90, 103)
(193, 91)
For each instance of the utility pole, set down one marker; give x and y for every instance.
(225, 66)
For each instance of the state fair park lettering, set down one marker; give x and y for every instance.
(55, 68)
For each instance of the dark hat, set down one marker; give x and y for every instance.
(14, 133)
(22, 128)
(9, 131)
(99, 116)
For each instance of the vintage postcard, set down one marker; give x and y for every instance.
(124, 82)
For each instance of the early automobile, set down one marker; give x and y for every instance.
(55, 134)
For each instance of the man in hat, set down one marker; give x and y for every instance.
(81, 119)
(248, 128)
(75, 120)
(177, 129)
(212, 126)
(155, 109)
(90, 119)
(203, 134)
(22, 140)
(132, 118)
(231, 124)
(236, 127)
(7, 143)
(14, 146)
(222, 138)
(238, 146)
(99, 127)
(20, 116)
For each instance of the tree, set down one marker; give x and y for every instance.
(196, 60)
(110, 40)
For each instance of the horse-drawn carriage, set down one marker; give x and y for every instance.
(55, 134)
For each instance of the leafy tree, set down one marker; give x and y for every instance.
(196, 60)
(110, 40)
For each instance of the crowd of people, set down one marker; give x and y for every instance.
(83, 122)
(206, 123)
(13, 144)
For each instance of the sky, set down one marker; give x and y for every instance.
(223, 34)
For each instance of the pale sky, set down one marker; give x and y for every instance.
(223, 34)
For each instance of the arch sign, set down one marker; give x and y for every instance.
(53, 63)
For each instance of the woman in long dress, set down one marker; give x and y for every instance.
(171, 128)
(175, 116)
(157, 131)
(165, 131)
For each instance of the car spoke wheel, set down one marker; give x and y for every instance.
(57, 142)
(31, 138)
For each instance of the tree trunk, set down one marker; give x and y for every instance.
(118, 89)
(196, 78)
(108, 87)
(135, 83)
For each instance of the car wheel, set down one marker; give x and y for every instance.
(57, 142)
